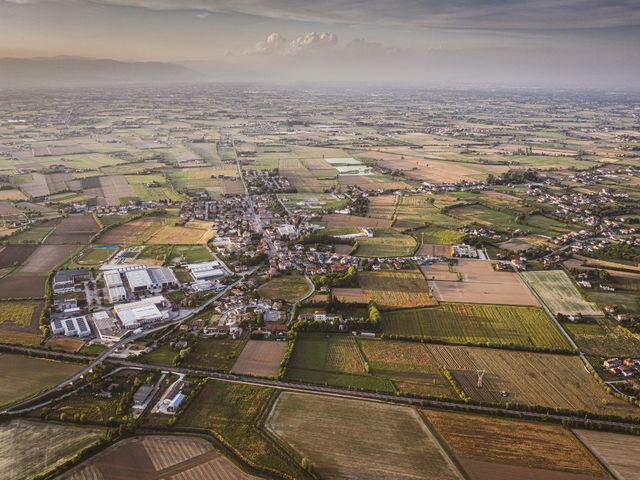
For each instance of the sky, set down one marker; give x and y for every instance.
(557, 43)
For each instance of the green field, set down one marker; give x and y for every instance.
(190, 254)
(19, 313)
(604, 338)
(218, 354)
(232, 413)
(163, 190)
(334, 360)
(21, 376)
(345, 438)
(34, 234)
(386, 242)
(95, 256)
(440, 236)
(477, 324)
(408, 365)
(289, 288)
(559, 294)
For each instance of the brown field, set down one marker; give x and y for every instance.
(336, 220)
(391, 289)
(359, 440)
(513, 443)
(7, 209)
(435, 250)
(71, 345)
(479, 283)
(233, 187)
(76, 230)
(156, 457)
(47, 257)
(431, 170)
(620, 453)
(559, 381)
(260, 358)
(12, 195)
(20, 336)
(191, 234)
(479, 470)
(598, 263)
(382, 206)
(366, 183)
(134, 232)
(22, 286)
(350, 295)
(13, 255)
(115, 187)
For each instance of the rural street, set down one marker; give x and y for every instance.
(320, 390)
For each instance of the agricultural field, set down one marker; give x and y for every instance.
(337, 220)
(334, 360)
(192, 179)
(408, 365)
(46, 257)
(34, 234)
(350, 295)
(317, 202)
(604, 337)
(440, 236)
(434, 250)
(490, 448)
(14, 255)
(289, 288)
(559, 294)
(392, 289)
(192, 233)
(157, 456)
(550, 380)
(73, 230)
(304, 179)
(18, 313)
(217, 354)
(383, 441)
(386, 243)
(21, 376)
(260, 359)
(232, 413)
(190, 254)
(136, 231)
(19, 285)
(620, 453)
(477, 324)
(97, 255)
(476, 281)
(153, 188)
(32, 448)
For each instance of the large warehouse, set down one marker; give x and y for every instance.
(71, 327)
(145, 311)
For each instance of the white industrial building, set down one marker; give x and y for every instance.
(115, 287)
(145, 311)
(106, 327)
(71, 327)
(205, 270)
(140, 280)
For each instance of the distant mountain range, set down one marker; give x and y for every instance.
(75, 71)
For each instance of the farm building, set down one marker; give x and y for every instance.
(71, 327)
(64, 281)
(145, 311)
(205, 270)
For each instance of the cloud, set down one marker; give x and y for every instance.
(464, 14)
(276, 44)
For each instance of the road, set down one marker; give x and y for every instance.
(325, 390)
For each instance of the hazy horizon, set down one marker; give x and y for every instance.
(523, 43)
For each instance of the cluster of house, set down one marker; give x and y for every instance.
(266, 181)
(622, 368)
